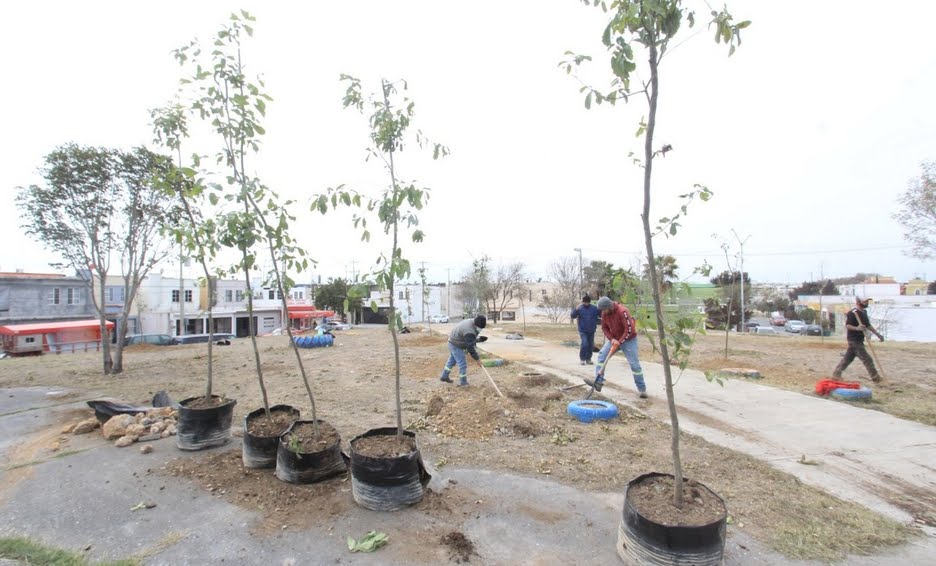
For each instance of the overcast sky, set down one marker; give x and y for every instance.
(807, 135)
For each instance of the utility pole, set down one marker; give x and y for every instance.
(741, 243)
(422, 280)
(581, 273)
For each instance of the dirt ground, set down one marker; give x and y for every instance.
(528, 432)
(796, 363)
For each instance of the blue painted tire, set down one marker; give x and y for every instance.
(861, 394)
(588, 410)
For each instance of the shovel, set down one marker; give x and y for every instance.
(490, 378)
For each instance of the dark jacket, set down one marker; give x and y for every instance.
(854, 318)
(465, 336)
(587, 315)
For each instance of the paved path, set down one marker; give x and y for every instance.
(872, 458)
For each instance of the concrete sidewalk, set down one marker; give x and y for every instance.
(874, 459)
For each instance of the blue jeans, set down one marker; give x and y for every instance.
(456, 356)
(630, 352)
(588, 344)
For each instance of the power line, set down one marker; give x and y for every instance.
(761, 254)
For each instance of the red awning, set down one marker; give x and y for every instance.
(307, 311)
(51, 327)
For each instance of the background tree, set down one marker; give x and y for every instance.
(667, 273)
(507, 283)
(475, 287)
(599, 276)
(332, 295)
(826, 287)
(931, 288)
(97, 205)
(565, 276)
(146, 211)
(768, 300)
(652, 25)
(918, 212)
(729, 289)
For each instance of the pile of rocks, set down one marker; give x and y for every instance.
(126, 429)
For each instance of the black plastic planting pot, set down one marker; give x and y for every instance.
(645, 542)
(198, 429)
(260, 451)
(387, 484)
(308, 467)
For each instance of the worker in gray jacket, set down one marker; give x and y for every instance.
(463, 339)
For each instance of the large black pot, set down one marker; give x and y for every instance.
(308, 467)
(387, 484)
(198, 429)
(642, 541)
(260, 451)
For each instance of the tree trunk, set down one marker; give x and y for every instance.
(654, 277)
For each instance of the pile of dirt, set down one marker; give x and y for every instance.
(483, 414)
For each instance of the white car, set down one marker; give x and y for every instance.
(794, 326)
(439, 318)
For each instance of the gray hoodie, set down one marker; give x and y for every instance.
(465, 335)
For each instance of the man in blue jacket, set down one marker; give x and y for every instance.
(588, 316)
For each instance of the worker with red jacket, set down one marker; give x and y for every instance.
(619, 329)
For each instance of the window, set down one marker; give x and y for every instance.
(55, 296)
(114, 295)
(543, 291)
(401, 296)
(188, 295)
(73, 295)
(298, 295)
(175, 295)
(271, 294)
(239, 296)
(30, 339)
(229, 296)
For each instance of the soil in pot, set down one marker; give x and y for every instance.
(261, 434)
(204, 422)
(654, 531)
(304, 457)
(653, 497)
(387, 473)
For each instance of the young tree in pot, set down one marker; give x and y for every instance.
(204, 422)
(386, 467)
(652, 25)
(235, 105)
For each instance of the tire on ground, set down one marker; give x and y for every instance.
(861, 394)
(588, 410)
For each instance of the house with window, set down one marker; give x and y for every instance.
(42, 297)
(174, 306)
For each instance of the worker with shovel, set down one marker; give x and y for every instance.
(620, 331)
(857, 324)
(463, 339)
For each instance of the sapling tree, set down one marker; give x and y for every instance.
(389, 115)
(234, 106)
(651, 25)
(198, 234)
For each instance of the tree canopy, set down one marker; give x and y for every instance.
(918, 212)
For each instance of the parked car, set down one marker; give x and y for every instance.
(219, 338)
(778, 320)
(794, 326)
(766, 330)
(439, 318)
(812, 330)
(750, 325)
(151, 339)
(334, 325)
